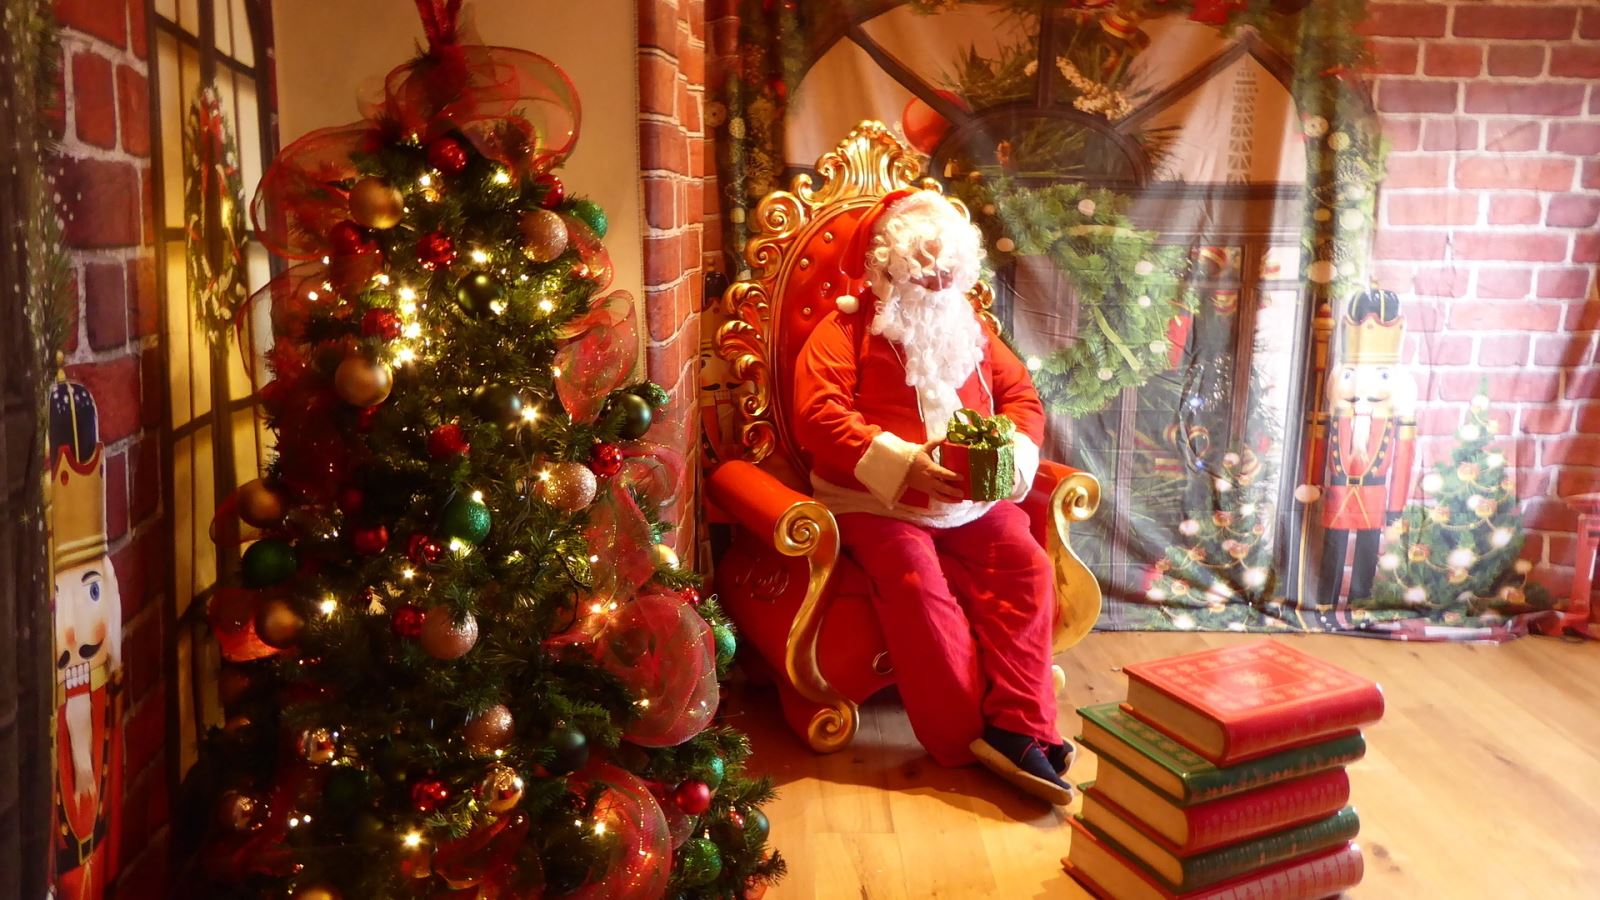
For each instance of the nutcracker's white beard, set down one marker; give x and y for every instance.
(80, 737)
(936, 329)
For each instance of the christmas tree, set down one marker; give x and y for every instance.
(461, 663)
(1457, 549)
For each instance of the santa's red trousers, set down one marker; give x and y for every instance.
(967, 615)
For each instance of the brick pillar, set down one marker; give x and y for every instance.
(114, 350)
(675, 157)
(1487, 221)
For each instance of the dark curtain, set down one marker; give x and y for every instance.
(25, 639)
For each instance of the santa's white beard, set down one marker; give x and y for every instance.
(940, 341)
(80, 738)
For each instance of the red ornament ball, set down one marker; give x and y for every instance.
(380, 323)
(555, 193)
(347, 239)
(447, 441)
(423, 549)
(447, 155)
(351, 500)
(429, 794)
(407, 621)
(435, 251)
(606, 460)
(693, 797)
(370, 541)
(690, 595)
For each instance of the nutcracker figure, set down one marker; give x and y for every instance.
(88, 646)
(1359, 454)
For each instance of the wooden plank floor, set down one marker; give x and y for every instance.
(1482, 780)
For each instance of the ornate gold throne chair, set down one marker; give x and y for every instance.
(798, 602)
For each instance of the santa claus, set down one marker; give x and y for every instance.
(963, 591)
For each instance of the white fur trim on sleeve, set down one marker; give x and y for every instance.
(884, 467)
(1026, 453)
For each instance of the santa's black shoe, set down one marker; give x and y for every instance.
(1061, 756)
(1022, 761)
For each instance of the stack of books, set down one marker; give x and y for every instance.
(1223, 777)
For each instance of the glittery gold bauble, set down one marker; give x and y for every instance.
(1457, 576)
(489, 730)
(443, 637)
(544, 235)
(1439, 515)
(317, 891)
(278, 623)
(501, 789)
(316, 746)
(260, 504)
(664, 556)
(362, 382)
(570, 486)
(376, 204)
(1239, 551)
(1417, 553)
(239, 811)
(1486, 509)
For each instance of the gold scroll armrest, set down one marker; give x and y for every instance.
(1074, 497)
(799, 526)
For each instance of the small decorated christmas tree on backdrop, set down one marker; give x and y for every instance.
(1222, 576)
(1456, 550)
(461, 662)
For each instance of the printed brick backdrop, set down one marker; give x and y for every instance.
(104, 129)
(1488, 222)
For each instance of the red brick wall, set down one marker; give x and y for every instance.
(1488, 220)
(112, 348)
(676, 159)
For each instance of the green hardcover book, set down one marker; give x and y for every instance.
(1183, 775)
(1182, 873)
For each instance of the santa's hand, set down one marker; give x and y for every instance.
(931, 478)
(1308, 493)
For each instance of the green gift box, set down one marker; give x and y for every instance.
(979, 450)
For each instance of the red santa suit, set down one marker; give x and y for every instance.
(962, 590)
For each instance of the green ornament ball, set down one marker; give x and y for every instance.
(478, 293)
(589, 213)
(756, 821)
(269, 562)
(465, 519)
(571, 750)
(636, 415)
(726, 644)
(700, 863)
(498, 403)
(653, 394)
(713, 772)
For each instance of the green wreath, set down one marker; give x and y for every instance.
(212, 170)
(1127, 288)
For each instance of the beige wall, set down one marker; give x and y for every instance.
(328, 50)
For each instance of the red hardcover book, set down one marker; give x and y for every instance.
(1228, 820)
(1236, 703)
(1106, 872)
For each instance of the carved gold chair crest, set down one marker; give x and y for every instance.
(804, 608)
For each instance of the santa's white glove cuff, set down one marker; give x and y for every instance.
(1026, 455)
(882, 470)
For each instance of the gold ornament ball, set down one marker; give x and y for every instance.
(278, 623)
(489, 730)
(260, 504)
(571, 486)
(444, 638)
(664, 556)
(544, 235)
(316, 892)
(237, 811)
(501, 789)
(362, 382)
(374, 203)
